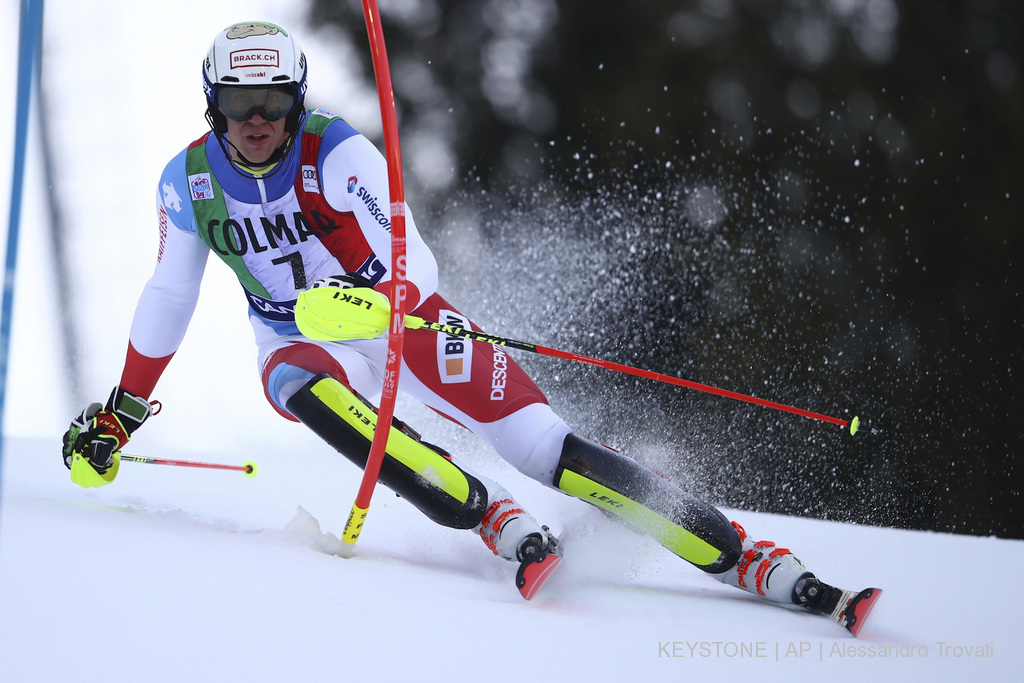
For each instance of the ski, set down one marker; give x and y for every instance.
(847, 608)
(534, 572)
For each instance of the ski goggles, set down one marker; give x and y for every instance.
(239, 103)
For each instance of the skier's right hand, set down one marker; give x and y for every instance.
(342, 308)
(93, 442)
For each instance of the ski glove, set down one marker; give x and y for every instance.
(342, 308)
(93, 442)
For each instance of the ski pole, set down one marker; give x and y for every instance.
(414, 323)
(330, 313)
(248, 468)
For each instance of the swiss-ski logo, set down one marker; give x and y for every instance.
(200, 186)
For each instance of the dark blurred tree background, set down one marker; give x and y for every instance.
(813, 201)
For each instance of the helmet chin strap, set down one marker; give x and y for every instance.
(218, 123)
(274, 157)
(241, 163)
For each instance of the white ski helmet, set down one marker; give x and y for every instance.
(252, 56)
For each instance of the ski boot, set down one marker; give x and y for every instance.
(510, 531)
(777, 575)
(770, 572)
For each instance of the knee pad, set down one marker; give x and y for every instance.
(420, 473)
(297, 360)
(690, 528)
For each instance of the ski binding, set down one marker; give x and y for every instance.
(849, 609)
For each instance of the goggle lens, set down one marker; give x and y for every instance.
(239, 104)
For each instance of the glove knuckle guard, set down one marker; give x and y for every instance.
(72, 437)
(346, 281)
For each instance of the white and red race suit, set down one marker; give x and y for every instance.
(324, 210)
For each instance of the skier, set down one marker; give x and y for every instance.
(292, 199)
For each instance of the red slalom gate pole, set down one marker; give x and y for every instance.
(396, 330)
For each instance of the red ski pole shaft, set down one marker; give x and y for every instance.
(247, 468)
(669, 379)
(415, 323)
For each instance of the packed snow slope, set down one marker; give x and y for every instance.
(175, 574)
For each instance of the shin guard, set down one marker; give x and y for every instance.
(690, 528)
(415, 471)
